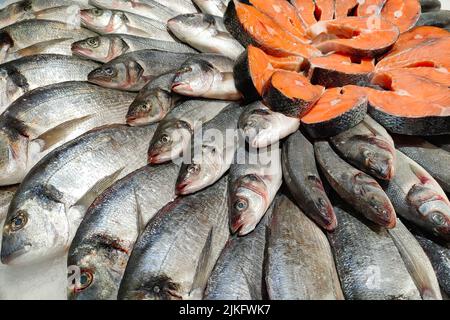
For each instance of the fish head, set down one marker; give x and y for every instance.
(149, 107)
(204, 170)
(191, 25)
(154, 287)
(432, 209)
(13, 156)
(249, 200)
(378, 160)
(169, 142)
(12, 85)
(100, 48)
(98, 264)
(327, 217)
(105, 20)
(36, 226)
(119, 75)
(257, 127)
(16, 11)
(194, 78)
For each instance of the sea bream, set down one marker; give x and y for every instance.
(418, 198)
(174, 256)
(255, 178)
(107, 47)
(299, 263)
(132, 71)
(207, 76)
(206, 33)
(304, 182)
(369, 265)
(110, 21)
(212, 152)
(51, 202)
(37, 33)
(238, 273)
(105, 239)
(23, 75)
(173, 136)
(47, 117)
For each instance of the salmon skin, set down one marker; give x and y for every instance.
(430, 5)
(439, 19)
(338, 110)
(250, 26)
(356, 36)
(291, 94)
(255, 67)
(336, 70)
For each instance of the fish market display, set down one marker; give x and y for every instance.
(225, 149)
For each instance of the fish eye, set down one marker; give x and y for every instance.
(93, 42)
(252, 177)
(193, 169)
(86, 279)
(164, 139)
(185, 70)
(143, 106)
(109, 71)
(97, 12)
(438, 219)
(19, 221)
(241, 205)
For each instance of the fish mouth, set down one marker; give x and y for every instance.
(181, 87)
(97, 76)
(78, 49)
(138, 120)
(240, 225)
(158, 158)
(182, 188)
(14, 257)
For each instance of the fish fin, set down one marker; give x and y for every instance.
(254, 294)
(139, 217)
(97, 189)
(201, 276)
(51, 137)
(223, 35)
(38, 47)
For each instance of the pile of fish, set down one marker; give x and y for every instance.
(215, 149)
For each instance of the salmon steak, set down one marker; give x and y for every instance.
(328, 62)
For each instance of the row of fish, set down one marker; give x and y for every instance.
(109, 170)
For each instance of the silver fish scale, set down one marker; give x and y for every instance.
(166, 255)
(368, 263)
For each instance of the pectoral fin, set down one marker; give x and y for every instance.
(203, 268)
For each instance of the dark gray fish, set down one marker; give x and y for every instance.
(358, 189)
(304, 182)
(418, 198)
(176, 253)
(238, 274)
(440, 259)
(439, 19)
(432, 158)
(368, 262)
(369, 147)
(104, 241)
(299, 262)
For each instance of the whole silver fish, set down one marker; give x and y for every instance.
(299, 261)
(440, 259)
(52, 200)
(20, 76)
(6, 195)
(211, 153)
(263, 127)
(238, 274)
(104, 241)
(148, 8)
(432, 158)
(358, 189)
(47, 117)
(255, 178)
(418, 198)
(176, 253)
(132, 71)
(304, 182)
(29, 33)
(205, 33)
(368, 262)
(417, 262)
(368, 147)
(107, 47)
(173, 136)
(201, 77)
(110, 21)
(154, 101)
(213, 7)
(145, 6)
(32, 9)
